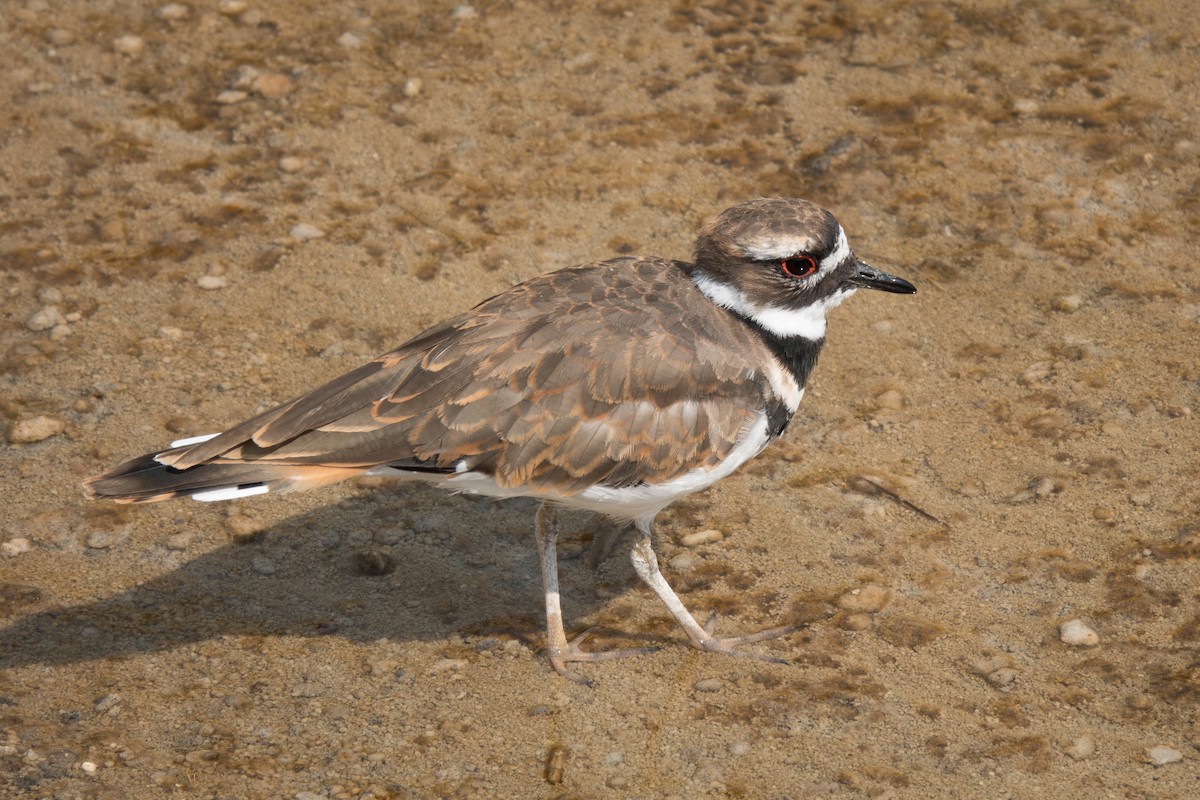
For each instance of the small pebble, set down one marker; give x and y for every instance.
(178, 542)
(262, 565)
(89, 767)
(1025, 106)
(129, 45)
(1082, 747)
(1076, 634)
(107, 702)
(44, 318)
(35, 429)
(230, 97)
(373, 561)
(292, 164)
(174, 12)
(1002, 679)
(412, 87)
(985, 666)
(304, 232)
(15, 546)
(49, 295)
(870, 598)
(244, 76)
(349, 41)
(231, 8)
(1162, 755)
(101, 540)
(212, 282)
(702, 537)
(555, 764)
(709, 685)
(891, 400)
(1035, 373)
(465, 12)
(1045, 486)
(272, 85)
(1068, 303)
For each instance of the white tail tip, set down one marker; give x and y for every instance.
(230, 493)
(194, 440)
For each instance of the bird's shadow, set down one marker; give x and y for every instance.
(410, 564)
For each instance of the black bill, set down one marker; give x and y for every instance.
(868, 277)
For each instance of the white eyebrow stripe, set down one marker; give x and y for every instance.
(770, 248)
(841, 251)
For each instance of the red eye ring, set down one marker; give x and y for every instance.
(798, 266)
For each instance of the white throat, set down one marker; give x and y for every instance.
(807, 323)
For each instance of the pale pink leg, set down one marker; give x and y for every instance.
(559, 650)
(645, 563)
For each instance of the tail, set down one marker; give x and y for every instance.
(146, 480)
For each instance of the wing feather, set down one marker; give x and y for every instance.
(557, 384)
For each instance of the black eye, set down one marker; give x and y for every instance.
(799, 266)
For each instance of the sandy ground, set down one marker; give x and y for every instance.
(207, 208)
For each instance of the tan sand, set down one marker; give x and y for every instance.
(207, 208)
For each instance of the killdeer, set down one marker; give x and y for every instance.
(616, 387)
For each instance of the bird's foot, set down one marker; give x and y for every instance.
(572, 652)
(729, 644)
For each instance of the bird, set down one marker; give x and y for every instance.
(616, 387)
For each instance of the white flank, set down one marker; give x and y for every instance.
(807, 322)
(630, 502)
(647, 500)
(229, 493)
(194, 440)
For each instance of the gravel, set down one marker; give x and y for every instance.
(702, 537)
(1161, 755)
(35, 429)
(1076, 633)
